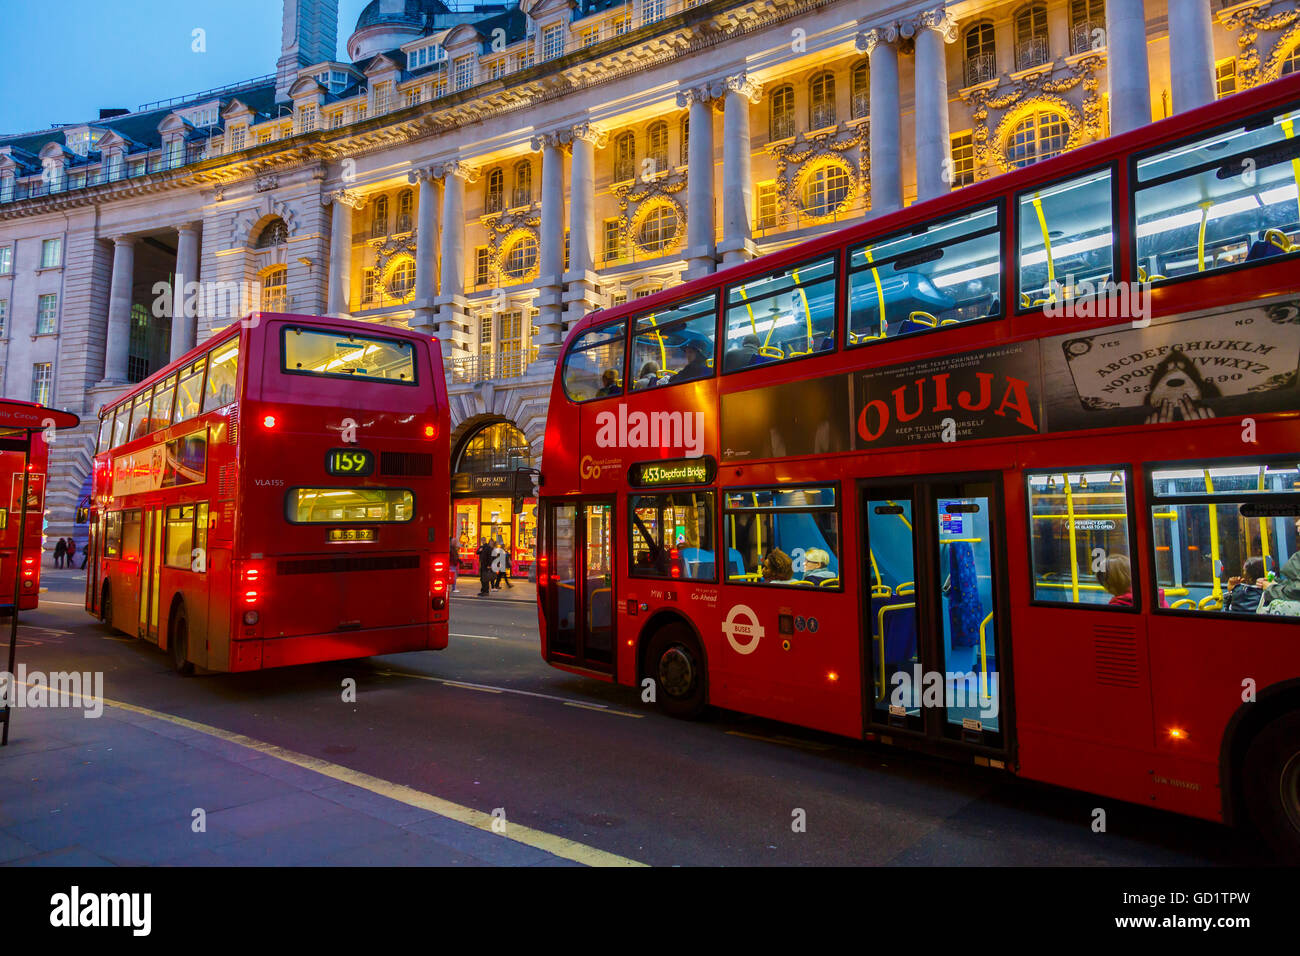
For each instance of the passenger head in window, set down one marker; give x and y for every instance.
(1246, 590)
(743, 354)
(1116, 576)
(816, 565)
(1177, 391)
(609, 383)
(1287, 585)
(648, 377)
(696, 352)
(777, 566)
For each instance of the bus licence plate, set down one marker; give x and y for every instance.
(337, 535)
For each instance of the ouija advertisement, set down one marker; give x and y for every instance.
(1236, 361)
(181, 461)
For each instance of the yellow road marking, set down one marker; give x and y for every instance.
(548, 842)
(601, 709)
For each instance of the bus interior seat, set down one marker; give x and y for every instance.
(898, 627)
(735, 563)
(965, 610)
(600, 602)
(695, 563)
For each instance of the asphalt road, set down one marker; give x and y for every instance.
(590, 762)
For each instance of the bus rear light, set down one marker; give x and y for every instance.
(439, 565)
(250, 597)
(430, 431)
(251, 618)
(269, 421)
(439, 586)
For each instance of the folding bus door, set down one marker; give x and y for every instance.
(579, 590)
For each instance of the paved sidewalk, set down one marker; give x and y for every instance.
(122, 789)
(522, 591)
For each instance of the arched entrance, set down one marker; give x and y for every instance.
(491, 491)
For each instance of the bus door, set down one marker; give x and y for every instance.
(935, 633)
(150, 572)
(579, 591)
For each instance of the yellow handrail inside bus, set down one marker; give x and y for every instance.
(984, 659)
(880, 635)
(921, 318)
(901, 517)
(1047, 246)
(1185, 602)
(663, 351)
(807, 311)
(1280, 239)
(907, 587)
(1200, 238)
(1288, 130)
(881, 590)
(1263, 527)
(1074, 551)
(1143, 276)
(1063, 584)
(1120, 515)
(1214, 540)
(875, 569)
(880, 297)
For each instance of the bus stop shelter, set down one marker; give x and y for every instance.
(19, 421)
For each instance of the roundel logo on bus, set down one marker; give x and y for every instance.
(734, 627)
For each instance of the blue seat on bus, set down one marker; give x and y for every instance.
(965, 609)
(695, 563)
(735, 563)
(899, 624)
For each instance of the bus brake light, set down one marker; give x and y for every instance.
(269, 421)
(430, 431)
(250, 597)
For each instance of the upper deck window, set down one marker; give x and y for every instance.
(1067, 240)
(674, 345)
(345, 355)
(160, 413)
(222, 375)
(189, 397)
(593, 366)
(1219, 200)
(941, 273)
(140, 415)
(782, 315)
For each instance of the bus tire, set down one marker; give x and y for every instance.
(178, 640)
(676, 664)
(1271, 784)
(106, 605)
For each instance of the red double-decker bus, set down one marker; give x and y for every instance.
(13, 452)
(1011, 476)
(252, 498)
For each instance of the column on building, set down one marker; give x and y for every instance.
(699, 191)
(1191, 54)
(184, 313)
(339, 291)
(118, 341)
(580, 296)
(550, 241)
(453, 307)
(880, 44)
(426, 250)
(1126, 65)
(737, 178)
(934, 29)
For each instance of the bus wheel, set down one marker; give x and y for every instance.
(1271, 774)
(676, 665)
(106, 606)
(179, 640)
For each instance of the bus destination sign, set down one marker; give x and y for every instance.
(678, 471)
(350, 461)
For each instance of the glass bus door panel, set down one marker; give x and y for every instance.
(598, 596)
(145, 574)
(580, 584)
(892, 613)
(562, 581)
(967, 618)
(155, 574)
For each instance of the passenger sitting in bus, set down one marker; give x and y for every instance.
(1287, 585)
(697, 361)
(743, 355)
(648, 377)
(816, 566)
(777, 567)
(1116, 576)
(1247, 590)
(609, 384)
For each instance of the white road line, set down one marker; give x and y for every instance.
(507, 690)
(66, 603)
(480, 637)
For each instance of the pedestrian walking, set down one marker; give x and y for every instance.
(85, 555)
(455, 562)
(500, 568)
(60, 552)
(484, 566)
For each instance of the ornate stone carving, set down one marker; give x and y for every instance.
(941, 20)
(742, 83)
(637, 198)
(794, 160)
(867, 40)
(590, 133)
(458, 169)
(266, 183)
(353, 200)
(507, 228)
(706, 93)
(388, 251)
(247, 220)
(1250, 22)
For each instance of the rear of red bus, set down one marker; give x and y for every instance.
(343, 495)
(11, 474)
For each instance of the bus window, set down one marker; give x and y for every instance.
(349, 505)
(130, 537)
(674, 345)
(201, 535)
(1218, 201)
(121, 424)
(1225, 536)
(113, 534)
(786, 536)
(1067, 242)
(942, 273)
(189, 394)
(345, 355)
(672, 536)
(140, 415)
(593, 366)
(222, 375)
(781, 316)
(160, 413)
(1079, 522)
(180, 537)
(105, 431)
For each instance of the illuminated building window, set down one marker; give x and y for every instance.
(275, 289)
(523, 183)
(496, 191)
(659, 228)
(401, 281)
(42, 377)
(657, 145)
(379, 218)
(482, 265)
(981, 54)
(826, 190)
(821, 101)
(765, 205)
(861, 90)
(405, 201)
(1031, 37)
(1225, 77)
(686, 139)
(963, 160)
(520, 258)
(781, 117)
(624, 157)
(367, 285)
(1087, 25)
(1041, 135)
(1291, 63)
(611, 243)
(47, 314)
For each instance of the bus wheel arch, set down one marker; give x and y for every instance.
(178, 636)
(1252, 739)
(670, 651)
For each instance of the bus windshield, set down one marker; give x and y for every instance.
(328, 353)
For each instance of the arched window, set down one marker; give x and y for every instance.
(821, 101)
(1031, 36)
(496, 447)
(274, 233)
(1040, 135)
(275, 289)
(520, 258)
(981, 54)
(496, 191)
(401, 280)
(659, 228)
(379, 218)
(405, 202)
(1291, 62)
(861, 90)
(656, 137)
(523, 194)
(624, 157)
(1087, 24)
(825, 190)
(781, 121)
(686, 139)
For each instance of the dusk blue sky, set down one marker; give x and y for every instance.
(64, 59)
